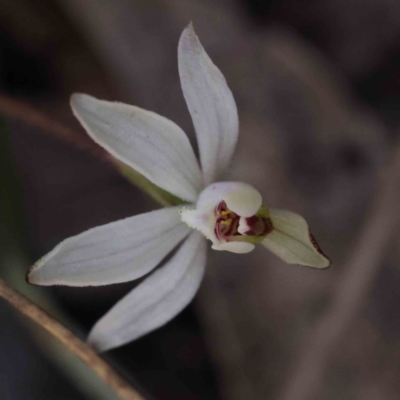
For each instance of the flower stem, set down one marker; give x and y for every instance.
(75, 345)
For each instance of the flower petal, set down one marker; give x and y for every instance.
(292, 241)
(234, 247)
(211, 105)
(117, 252)
(155, 301)
(151, 144)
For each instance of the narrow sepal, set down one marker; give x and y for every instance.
(117, 252)
(149, 143)
(211, 105)
(156, 300)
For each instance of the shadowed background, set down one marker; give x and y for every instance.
(317, 84)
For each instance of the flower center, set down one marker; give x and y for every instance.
(230, 226)
(231, 215)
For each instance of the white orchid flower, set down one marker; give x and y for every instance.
(230, 214)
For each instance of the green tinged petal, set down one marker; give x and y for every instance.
(292, 240)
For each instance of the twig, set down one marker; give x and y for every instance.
(121, 387)
(359, 273)
(17, 109)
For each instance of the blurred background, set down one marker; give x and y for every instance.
(317, 84)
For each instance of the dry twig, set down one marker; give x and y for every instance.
(17, 109)
(121, 387)
(359, 273)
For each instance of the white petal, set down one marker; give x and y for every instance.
(210, 104)
(291, 240)
(234, 247)
(155, 301)
(151, 144)
(117, 252)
